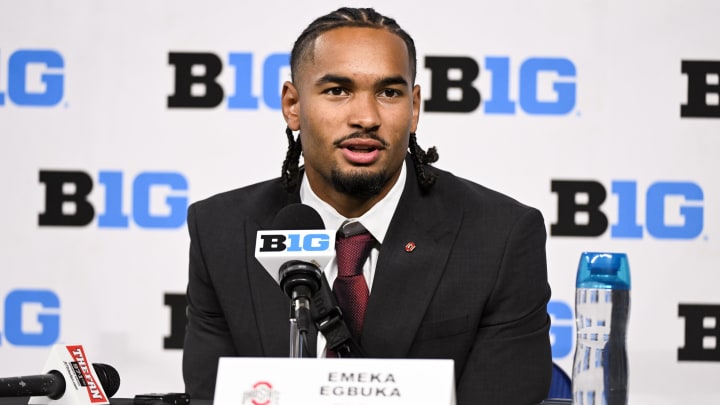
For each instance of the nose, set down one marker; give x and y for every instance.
(364, 112)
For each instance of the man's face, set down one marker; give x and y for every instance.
(354, 105)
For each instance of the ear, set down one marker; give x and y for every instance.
(415, 108)
(290, 102)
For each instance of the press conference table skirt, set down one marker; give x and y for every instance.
(113, 401)
(129, 401)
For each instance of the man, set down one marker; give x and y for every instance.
(457, 271)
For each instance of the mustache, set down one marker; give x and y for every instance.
(361, 135)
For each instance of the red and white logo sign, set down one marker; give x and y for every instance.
(85, 375)
(262, 393)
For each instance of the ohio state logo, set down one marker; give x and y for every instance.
(262, 393)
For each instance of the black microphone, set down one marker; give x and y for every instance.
(299, 279)
(295, 260)
(53, 383)
(294, 252)
(298, 217)
(297, 234)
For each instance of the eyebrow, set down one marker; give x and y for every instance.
(344, 80)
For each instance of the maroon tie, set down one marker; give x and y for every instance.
(350, 287)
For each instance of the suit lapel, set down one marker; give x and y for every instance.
(406, 276)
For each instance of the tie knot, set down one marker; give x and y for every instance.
(352, 247)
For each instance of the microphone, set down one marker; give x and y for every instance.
(294, 253)
(298, 234)
(53, 383)
(70, 379)
(298, 278)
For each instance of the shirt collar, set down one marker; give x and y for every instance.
(376, 220)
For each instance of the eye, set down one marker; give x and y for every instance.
(336, 91)
(390, 93)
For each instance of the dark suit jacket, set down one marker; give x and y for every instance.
(474, 290)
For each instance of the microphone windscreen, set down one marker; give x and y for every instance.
(109, 378)
(297, 217)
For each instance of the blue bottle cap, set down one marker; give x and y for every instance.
(603, 270)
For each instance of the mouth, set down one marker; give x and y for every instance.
(359, 143)
(361, 151)
(361, 147)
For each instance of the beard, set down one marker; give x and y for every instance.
(359, 185)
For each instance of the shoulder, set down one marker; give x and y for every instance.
(259, 201)
(475, 198)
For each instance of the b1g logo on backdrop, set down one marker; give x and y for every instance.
(34, 78)
(546, 86)
(196, 85)
(703, 89)
(673, 210)
(702, 332)
(31, 318)
(159, 199)
(561, 328)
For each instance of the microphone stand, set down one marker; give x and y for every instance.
(312, 299)
(300, 280)
(299, 325)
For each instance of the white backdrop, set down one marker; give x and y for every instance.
(84, 88)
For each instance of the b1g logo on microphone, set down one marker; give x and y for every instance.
(159, 199)
(35, 78)
(31, 317)
(276, 247)
(294, 242)
(703, 89)
(673, 209)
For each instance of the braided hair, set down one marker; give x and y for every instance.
(303, 52)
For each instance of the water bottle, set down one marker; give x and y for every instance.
(602, 303)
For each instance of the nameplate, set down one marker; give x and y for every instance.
(286, 381)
